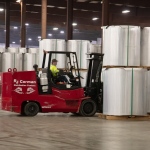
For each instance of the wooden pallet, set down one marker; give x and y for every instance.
(132, 118)
(144, 67)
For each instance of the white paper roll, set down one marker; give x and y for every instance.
(7, 61)
(33, 50)
(124, 91)
(95, 48)
(13, 50)
(17, 61)
(84, 75)
(61, 46)
(48, 45)
(81, 47)
(148, 91)
(22, 50)
(145, 47)
(2, 50)
(29, 61)
(121, 45)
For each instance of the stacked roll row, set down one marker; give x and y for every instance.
(126, 83)
(126, 46)
(121, 45)
(125, 91)
(18, 58)
(81, 47)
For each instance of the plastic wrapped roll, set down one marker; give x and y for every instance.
(61, 46)
(121, 45)
(94, 48)
(22, 50)
(84, 75)
(33, 50)
(7, 61)
(145, 47)
(1, 62)
(17, 60)
(124, 91)
(48, 45)
(29, 61)
(12, 50)
(148, 92)
(2, 50)
(81, 47)
(139, 92)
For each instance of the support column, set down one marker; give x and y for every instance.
(69, 28)
(44, 19)
(23, 21)
(105, 13)
(7, 23)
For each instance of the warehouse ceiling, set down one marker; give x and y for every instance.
(84, 12)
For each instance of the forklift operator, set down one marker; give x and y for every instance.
(55, 72)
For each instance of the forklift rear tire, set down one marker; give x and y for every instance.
(88, 108)
(31, 109)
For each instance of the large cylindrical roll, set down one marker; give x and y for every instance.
(61, 46)
(148, 91)
(124, 91)
(17, 61)
(2, 50)
(139, 92)
(33, 50)
(95, 48)
(121, 45)
(7, 61)
(74, 46)
(12, 49)
(22, 50)
(1, 62)
(114, 101)
(29, 61)
(48, 45)
(145, 47)
(83, 80)
(81, 47)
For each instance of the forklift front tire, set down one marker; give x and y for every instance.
(88, 108)
(31, 109)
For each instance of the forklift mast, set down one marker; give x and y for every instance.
(94, 86)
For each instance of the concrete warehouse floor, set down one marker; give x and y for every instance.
(66, 132)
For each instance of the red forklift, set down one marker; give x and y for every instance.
(30, 92)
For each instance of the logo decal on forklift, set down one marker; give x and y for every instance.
(30, 90)
(24, 83)
(19, 90)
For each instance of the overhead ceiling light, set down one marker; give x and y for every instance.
(125, 11)
(74, 24)
(94, 2)
(1, 9)
(4, 30)
(62, 32)
(49, 34)
(13, 42)
(26, 24)
(61, 7)
(39, 37)
(29, 39)
(55, 28)
(18, 1)
(95, 18)
(37, 5)
(15, 27)
(50, 6)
